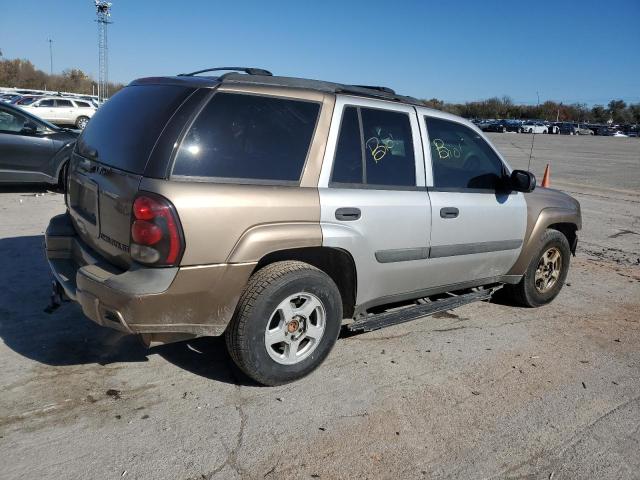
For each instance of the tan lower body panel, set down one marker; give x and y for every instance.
(200, 301)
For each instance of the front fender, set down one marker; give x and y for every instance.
(548, 216)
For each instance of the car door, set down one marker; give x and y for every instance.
(477, 226)
(373, 198)
(65, 111)
(46, 109)
(24, 153)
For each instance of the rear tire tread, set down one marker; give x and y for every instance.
(237, 330)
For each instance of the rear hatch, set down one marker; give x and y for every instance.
(110, 159)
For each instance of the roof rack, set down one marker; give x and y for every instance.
(247, 70)
(380, 89)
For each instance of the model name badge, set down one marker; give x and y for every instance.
(115, 243)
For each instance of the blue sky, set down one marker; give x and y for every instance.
(572, 51)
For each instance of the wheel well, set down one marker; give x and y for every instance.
(336, 263)
(569, 230)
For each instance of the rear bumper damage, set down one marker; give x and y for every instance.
(155, 302)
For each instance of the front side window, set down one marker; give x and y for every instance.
(461, 158)
(248, 137)
(375, 147)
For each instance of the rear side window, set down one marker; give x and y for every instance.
(347, 166)
(375, 147)
(461, 158)
(82, 104)
(124, 129)
(63, 103)
(242, 137)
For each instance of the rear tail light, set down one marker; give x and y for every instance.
(156, 235)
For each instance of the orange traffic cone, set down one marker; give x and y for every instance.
(545, 178)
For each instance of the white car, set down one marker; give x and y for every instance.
(62, 110)
(534, 127)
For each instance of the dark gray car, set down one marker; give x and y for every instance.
(32, 150)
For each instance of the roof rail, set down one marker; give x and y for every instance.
(380, 89)
(247, 70)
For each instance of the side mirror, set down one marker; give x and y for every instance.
(522, 181)
(29, 128)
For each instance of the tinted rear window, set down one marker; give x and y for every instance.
(124, 130)
(241, 137)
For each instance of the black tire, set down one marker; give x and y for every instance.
(525, 293)
(266, 289)
(81, 122)
(519, 130)
(62, 177)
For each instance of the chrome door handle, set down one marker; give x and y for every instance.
(348, 214)
(449, 212)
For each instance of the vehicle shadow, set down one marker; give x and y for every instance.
(29, 188)
(67, 337)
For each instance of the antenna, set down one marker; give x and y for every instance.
(533, 136)
(103, 14)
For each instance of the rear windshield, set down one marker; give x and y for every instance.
(248, 138)
(124, 130)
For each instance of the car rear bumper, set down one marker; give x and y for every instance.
(196, 300)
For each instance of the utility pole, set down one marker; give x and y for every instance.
(103, 13)
(51, 56)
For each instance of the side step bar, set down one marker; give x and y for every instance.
(395, 317)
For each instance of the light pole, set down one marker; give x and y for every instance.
(51, 56)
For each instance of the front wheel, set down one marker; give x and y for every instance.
(82, 122)
(546, 272)
(286, 323)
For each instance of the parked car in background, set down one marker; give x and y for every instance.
(24, 100)
(553, 128)
(502, 126)
(9, 97)
(534, 127)
(619, 133)
(582, 129)
(31, 149)
(62, 110)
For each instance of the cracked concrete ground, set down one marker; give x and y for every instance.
(485, 391)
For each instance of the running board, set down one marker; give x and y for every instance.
(386, 319)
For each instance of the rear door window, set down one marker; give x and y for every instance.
(375, 147)
(64, 104)
(46, 103)
(241, 137)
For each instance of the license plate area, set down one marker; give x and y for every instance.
(83, 198)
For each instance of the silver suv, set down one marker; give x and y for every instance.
(277, 211)
(62, 110)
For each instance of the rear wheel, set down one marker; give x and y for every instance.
(286, 323)
(546, 272)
